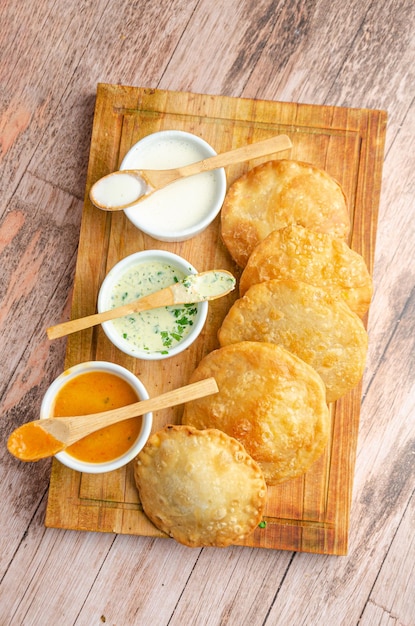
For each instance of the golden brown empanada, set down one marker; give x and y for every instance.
(270, 400)
(200, 487)
(315, 258)
(276, 194)
(308, 322)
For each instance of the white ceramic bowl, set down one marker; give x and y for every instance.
(46, 410)
(117, 328)
(186, 207)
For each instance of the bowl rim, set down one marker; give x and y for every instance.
(102, 304)
(147, 418)
(220, 177)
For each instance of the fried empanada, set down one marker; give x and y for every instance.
(200, 487)
(276, 194)
(270, 400)
(315, 258)
(308, 322)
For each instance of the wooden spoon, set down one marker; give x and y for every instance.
(46, 437)
(200, 287)
(124, 188)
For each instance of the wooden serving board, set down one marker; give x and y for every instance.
(310, 513)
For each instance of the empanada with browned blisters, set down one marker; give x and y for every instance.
(319, 259)
(276, 194)
(308, 322)
(200, 487)
(270, 400)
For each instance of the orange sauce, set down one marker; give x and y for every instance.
(94, 392)
(31, 443)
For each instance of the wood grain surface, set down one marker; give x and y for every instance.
(354, 55)
(310, 513)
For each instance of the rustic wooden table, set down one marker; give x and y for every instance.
(359, 54)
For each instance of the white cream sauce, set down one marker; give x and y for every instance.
(181, 204)
(159, 329)
(117, 190)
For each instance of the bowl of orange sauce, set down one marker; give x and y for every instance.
(94, 387)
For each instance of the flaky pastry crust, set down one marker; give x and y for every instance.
(308, 322)
(319, 259)
(276, 194)
(270, 400)
(200, 487)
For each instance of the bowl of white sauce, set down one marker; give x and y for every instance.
(159, 333)
(186, 207)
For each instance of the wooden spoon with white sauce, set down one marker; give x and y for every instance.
(125, 188)
(195, 288)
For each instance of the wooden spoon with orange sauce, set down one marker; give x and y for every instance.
(46, 437)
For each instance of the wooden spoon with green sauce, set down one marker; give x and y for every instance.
(124, 188)
(46, 437)
(195, 288)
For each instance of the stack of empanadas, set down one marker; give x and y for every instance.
(291, 343)
(302, 294)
